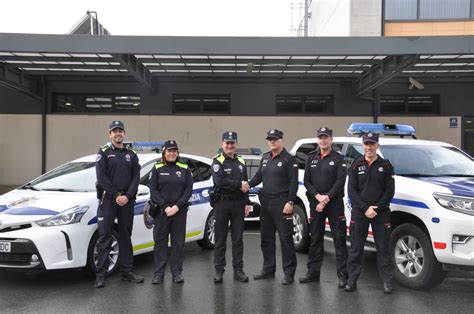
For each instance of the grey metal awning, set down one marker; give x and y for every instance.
(368, 61)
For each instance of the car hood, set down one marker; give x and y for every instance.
(458, 186)
(20, 206)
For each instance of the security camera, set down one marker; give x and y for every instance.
(415, 83)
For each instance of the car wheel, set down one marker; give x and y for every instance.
(209, 240)
(300, 230)
(92, 255)
(415, 265)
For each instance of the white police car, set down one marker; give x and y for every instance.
(433, 206)
(51, 223)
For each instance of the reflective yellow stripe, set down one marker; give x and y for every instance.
(158, 165)
(220, 158)
(180, 164)
(151, 244)
(242, 161)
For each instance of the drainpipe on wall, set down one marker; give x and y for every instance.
(43, 125)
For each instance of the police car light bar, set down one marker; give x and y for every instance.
(145, 146)
(245, 151)
(386, 129)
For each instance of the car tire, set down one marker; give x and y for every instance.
(415, 265)
(209, 240)
(92, 255)
(300, 230)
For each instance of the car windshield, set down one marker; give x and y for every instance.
(428, 160)
(70, 177)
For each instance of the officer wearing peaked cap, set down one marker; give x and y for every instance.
(231, 205)
(278, 171)
(118, 175)
(324, 179)
(171, 187)
(371, 188)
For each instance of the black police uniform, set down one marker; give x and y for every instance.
(370, 184)
(279, 175)
(228, 174)
(171, 183)
(326, 175)
(118, 173)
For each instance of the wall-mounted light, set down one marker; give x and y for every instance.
(68, 104)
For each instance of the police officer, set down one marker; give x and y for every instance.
(118, 175)
(371, 188)
(278, 171)
(231, 205)
(171, 186)
(324, 179)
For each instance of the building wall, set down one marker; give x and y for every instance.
(429, 28)
(71, 136)
(329, 18)
(74, 136)
(366, 18)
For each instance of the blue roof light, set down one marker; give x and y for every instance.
(386, 129)
(146, 146)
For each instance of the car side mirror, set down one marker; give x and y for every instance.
(143, 190)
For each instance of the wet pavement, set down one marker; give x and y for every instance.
(72, 291)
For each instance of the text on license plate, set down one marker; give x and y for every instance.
(5, 247)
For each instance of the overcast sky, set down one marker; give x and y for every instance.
(152, 17)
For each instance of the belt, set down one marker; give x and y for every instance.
(274, 196)
(231, 197)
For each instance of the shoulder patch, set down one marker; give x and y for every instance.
(158, 165)
(220, 158)
(104, 147)
(181, 165)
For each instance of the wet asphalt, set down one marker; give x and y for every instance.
(71, 291)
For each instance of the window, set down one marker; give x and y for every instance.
(300, 104)
(252, 167)
(354, 152)
(428, 9)
(303, 152)
(409, 104)
(97, 103)
(207, 104)
(145, 172)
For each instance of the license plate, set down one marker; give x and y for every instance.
(5, 247)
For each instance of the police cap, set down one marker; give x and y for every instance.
(116, 125)
(229, 136)
(274, 134)
(324, 131)
(370, 137)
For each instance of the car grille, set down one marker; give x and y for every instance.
(20, 255)
(15, 228)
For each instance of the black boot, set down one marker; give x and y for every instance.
(263, 275)
(342, 280)
(99, 282)
(387, 288)
(132, 277)
(239, 275)
(218, 278)
(309, 277)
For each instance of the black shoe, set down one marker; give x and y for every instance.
(263, 275)
(342, 280)
(239, 275)
(132, 277)
(287, 280)
(350, 287)
(218, 278)
(387, 288)
(99, 282)
(178, 278)
(309, 278)
(157, 280)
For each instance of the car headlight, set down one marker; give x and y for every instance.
(460, 204)
(69, 216)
